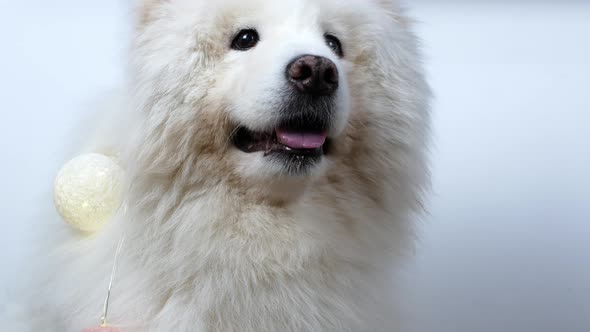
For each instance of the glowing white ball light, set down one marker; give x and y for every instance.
(88, 191)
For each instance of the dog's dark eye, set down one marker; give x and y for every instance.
(334, 44)
(245, 40)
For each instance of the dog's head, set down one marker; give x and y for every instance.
(262, 92)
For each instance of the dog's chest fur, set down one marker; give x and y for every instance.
(212, 263)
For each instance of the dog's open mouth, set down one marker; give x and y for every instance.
(283, 140)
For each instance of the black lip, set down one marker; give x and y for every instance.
(284, 150)
(249, 142)
(295, 161)
(299, 113)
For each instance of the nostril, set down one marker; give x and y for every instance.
(331, 75)
(306, 71)
(300, 71)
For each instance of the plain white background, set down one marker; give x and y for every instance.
(506, 246)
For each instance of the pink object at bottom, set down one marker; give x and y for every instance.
(102, 329)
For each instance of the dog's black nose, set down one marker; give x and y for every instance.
(314, 75)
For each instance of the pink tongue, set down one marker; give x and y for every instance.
(301, 140)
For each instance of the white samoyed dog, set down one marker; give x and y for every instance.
(275, 157)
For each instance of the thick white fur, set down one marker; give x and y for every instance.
(220, 240)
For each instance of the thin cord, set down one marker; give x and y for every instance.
(105, 310)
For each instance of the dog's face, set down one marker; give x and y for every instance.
(261, 90)
(284, 81)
